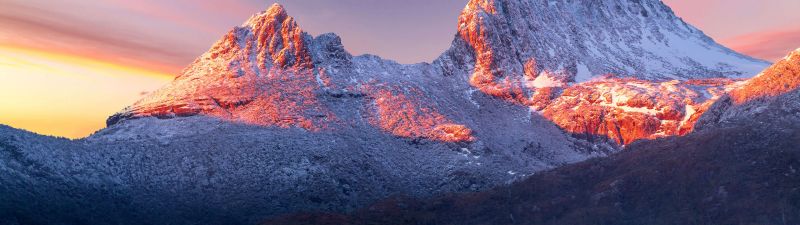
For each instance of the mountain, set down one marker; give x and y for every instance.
(741, 169)
(575, 41)
(529, 52)
(269, 72)
(272, 120)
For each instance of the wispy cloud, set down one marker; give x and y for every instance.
(770, 45)
(167, 35)
(42, 28)
(184, 13)
(762, 29)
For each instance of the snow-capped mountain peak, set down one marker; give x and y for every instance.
(586, 38)
(276, 12)
(269, 72)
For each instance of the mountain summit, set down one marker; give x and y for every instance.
(261, 72)
(518, 45)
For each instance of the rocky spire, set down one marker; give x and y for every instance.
(275, 12)
(271, 37)
(279, 39)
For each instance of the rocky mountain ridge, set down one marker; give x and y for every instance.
(269, 72)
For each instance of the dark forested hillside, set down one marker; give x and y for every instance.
(747, 173)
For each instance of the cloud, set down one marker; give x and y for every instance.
(162, 11)
(770, 45)
(45, 29)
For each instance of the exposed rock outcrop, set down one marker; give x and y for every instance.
(628, 109)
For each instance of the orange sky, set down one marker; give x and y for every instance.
(66, 95)
(65, 66)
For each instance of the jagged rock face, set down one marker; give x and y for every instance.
(516, 47)
(585, 39)
(626, 110)
(542, 53)
(260, 73)
(269, 72)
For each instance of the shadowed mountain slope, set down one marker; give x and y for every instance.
(743, 174)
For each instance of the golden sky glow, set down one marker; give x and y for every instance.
(66, 95)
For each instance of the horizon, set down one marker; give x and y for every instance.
(67, 84)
